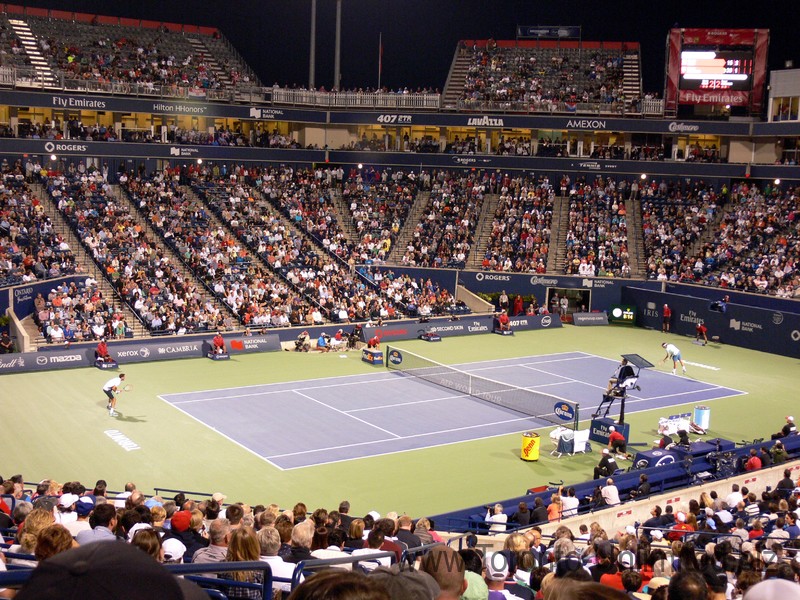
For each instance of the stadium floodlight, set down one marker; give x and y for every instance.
(360, 166)
(199, 161)
(53, 157)
(643, 176)
(777, 182)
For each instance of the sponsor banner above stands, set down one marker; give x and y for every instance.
(557, 166)
(166, 106)
(466, 325)
(762, 329)
(562, 123)
(66, 149)
(593, 318)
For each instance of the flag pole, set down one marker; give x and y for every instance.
(380, 58)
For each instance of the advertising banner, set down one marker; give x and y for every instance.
(772, 331)
(467, 325)
(594, 318)
(165, 106)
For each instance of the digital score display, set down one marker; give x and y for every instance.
(622, 314)
(716, 70)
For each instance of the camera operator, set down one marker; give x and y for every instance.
(302, 343)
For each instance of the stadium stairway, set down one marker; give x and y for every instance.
(155, 237)
(343, 215)
(201, 50)
(83, 258)
(407, 231)
(631, 76)
(557, 256)
(454, 85)
(637, 260)
(483, 233)
(708, 235)
(31, 45)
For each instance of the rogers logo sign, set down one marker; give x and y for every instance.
(491, 277)
(51, 147)
(384, 332)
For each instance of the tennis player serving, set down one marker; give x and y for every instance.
(675, 355)
(111, 388)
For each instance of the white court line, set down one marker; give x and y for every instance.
(227, 437)
(366, 376)
(408, 437)
(702, 366)
(526, 365)
(328, 406)
(283, 391)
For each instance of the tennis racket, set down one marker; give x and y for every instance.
(128, 387)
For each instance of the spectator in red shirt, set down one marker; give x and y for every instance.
(754, 462)
(503, 321)
(218, 344)
(701, 331)
(680, 529)
(101, 353)
(617, 443)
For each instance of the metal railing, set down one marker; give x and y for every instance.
(388, 100)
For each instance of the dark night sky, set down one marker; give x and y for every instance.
(420, 36)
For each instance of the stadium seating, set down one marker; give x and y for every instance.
(138, 268)
(30, 248)
(520, 236)
(444, 235)
(566, 78)
(597, 238)
(755, 247)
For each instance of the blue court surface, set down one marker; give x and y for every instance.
(306, 423)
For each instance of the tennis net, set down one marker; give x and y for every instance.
(528, 402)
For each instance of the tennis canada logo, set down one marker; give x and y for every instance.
(395, 357)
(564, 411)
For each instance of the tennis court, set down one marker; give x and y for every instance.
(312, 422)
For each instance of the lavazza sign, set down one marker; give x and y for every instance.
(484, 122)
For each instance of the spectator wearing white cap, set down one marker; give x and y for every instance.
(83, 509)
(66, 509)
(788, 429)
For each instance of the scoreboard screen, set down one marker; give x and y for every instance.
(716, 69)
(622, 314)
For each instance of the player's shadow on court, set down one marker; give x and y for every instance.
(129, 419)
